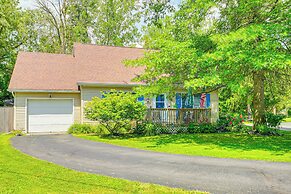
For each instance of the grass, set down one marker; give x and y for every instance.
(287, 119)
(20, 173)
(222, 145)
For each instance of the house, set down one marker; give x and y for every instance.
(50, 90)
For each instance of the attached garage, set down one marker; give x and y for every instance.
(49, 115)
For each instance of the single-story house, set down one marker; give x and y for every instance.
(50, 90)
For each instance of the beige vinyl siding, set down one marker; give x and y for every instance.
(20, 106)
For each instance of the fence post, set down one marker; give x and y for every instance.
(180, 116)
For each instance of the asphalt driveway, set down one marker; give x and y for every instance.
(203, 173)
(285, 126)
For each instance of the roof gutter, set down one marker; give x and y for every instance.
(44, 91)
(117, 85)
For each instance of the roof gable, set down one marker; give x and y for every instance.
(89, 63)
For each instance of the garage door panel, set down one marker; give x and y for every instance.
(48, 128)
(47, 119)
(49, 115)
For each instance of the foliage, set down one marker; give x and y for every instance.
(222, 145)
(265, 130)
(150, 129)
(155, 10)
(116, 111)
(45, 177)
(115, 22)
(226, 123)
(85, 129)
(235, 122)
(289, 113)
(273, 120)
(10, 40)
(223, 123)
(202, 128)
(54, 26)
(145, 128)
(17, 132)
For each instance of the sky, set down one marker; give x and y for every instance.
(28, 4)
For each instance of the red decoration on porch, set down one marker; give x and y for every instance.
(202, 100)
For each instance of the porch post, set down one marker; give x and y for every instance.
(214, 106)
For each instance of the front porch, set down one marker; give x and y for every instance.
(180, 116)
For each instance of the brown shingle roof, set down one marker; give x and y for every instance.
(90, 63)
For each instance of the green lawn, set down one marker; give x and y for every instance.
(223, 145)
(20, 173)
(287, 119)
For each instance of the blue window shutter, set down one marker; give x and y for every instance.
(178, 100)
(160, 101)
(141, 99)
(207, 100)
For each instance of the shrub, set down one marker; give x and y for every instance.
(149, 129)
(17, 132)
(85, 129)
(223, 123)
(265, 130)
(231, 122)
(145, 128)
(289, 113)
(202, 128)
(273, 120)
(116, 111)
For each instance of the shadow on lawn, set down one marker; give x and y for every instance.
(244, 142)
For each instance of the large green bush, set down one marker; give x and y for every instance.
(116, 111)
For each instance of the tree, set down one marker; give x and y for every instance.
(115, 22)
(81, 13)
(116, 111)
(243, 47)
(67, 21)
(10, 41)
(55, 12)
(156, 10)
(252, 53)
(56, 24)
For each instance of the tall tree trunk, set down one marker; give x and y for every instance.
(259, 98)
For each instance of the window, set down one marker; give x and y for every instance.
(160, 101)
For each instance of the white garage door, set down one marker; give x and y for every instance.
(49, 115)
